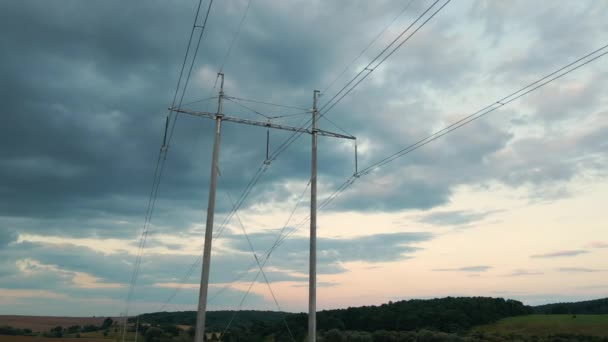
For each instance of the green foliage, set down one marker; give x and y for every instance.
(89, 328)
(8, 330)
(170, 329)
(153, 335)
(590, 307)
(358, 336)
(445, 319)
(446, 314)
(334, 335)
(216, 320)
(73, 329)
(393, 336)
(107, 323)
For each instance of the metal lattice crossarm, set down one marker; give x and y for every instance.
(261, 123)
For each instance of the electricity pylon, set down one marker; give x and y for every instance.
(219, 116)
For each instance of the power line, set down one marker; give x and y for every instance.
(268, 117)
(261, 271)
(282, 237)
(200, 37)
(292, 138)
(199, 101)
(295, 136)
(371, 69)
(252, 182)
(198, 259)
(336, 125)
(234, 38)
(267, 103)
(160, 167)
(196, 262)
(368, 46)
(285, 144)
(460, 123)
(488, 109)
(248, 108)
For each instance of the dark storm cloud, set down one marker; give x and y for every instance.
(89, 84)
(85, 87)
(7, 236)
(559, 254)
(480, 268)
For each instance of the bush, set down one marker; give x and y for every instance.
(89, 328)
(170, 329)
(7, 330)
(359, 336)
(153, 334)
(56, 331)
(107, 323)
(334, 335)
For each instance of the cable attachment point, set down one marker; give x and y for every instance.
(356, 174)
(267, 160)
(164, 146)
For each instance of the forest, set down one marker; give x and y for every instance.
(451, 315)
(588, 307)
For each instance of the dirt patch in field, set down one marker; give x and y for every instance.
(45, 323)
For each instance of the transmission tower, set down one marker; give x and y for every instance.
(219, 116)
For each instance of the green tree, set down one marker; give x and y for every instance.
(334, 335)
(107, 323)
(73, 329)
(153, 334)
(170, 329)
(57, 331)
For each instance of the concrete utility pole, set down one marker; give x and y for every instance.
(312, 277)
(202, 294)
(219, 117)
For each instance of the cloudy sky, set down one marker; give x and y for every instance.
(511, 205)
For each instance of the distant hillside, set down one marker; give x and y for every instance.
(590, 307)
(449, 314)
(216, 320)
(444, 314)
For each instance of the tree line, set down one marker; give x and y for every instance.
(588, 307)
(446, 315)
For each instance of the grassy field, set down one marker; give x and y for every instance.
(95, 336)
(545, 325)
(44, 323)
(5, 338)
